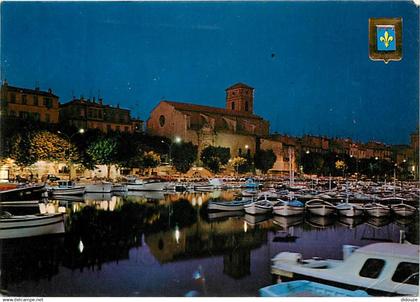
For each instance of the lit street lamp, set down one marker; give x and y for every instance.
(80, 131)
(177, 140)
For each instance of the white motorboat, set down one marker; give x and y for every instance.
(259, 207)
(403, 209)
(377, 210)
(227, 205)
(12, 226)
(320, 207)
(289, 208)
(66, 187)
(98, 187)
(381, 269)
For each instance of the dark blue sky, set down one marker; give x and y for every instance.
(320, 80)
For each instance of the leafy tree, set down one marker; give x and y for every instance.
(51, 147)
(103, 151)
(183, 156)
(214, 157)
(150, 160)
(264, 160)
(20, 146)
(238, 161)
(340, 165)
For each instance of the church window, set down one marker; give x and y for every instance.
(233, 105)
(246, 106)
(162, 120)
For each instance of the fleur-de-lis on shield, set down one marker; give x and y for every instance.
(386, 39)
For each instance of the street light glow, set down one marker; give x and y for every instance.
(246, 146)
(81, 130)
(177, 139)
(307, 151)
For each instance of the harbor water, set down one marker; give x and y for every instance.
(155, 244)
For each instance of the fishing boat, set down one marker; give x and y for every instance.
(250, 183)
(403, 209)
(15, 194)
(13, 226)
(349, 209)
(377, 210)
(385, 269)
(135, 184)
(98, 187)
(237, 205)
(320, 207)
(118, 188)
(289, 208)
(259, 207)
(305, 288)
(66, 187)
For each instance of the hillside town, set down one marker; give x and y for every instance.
(236, 128)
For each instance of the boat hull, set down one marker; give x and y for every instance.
(403, 210)
(321, 210)
(31, 225)
(68, 191)
(287, 210)
(377, 210)
(256, 209)
(98, 188)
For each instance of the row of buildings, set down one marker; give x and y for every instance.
(235, 126)
(44, 106)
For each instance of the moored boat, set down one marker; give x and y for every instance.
(320, 207)
(22, 194)
(349, 209)
(135, 184)
(305, 288)
(98, 187)
(380, 269)
(289, 208)
(377, 210)
(227, 205)
(258, 207)
(66, 187)
(403, 209)
(12, 226)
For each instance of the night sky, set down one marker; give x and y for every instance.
(308, 62)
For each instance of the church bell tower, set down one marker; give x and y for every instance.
(240, 98)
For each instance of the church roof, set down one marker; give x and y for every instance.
(207, 109)
(239, 85)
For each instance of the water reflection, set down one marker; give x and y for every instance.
(144, 243)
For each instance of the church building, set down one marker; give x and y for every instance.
(235, 126)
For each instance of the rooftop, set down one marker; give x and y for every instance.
(36, 91)
(207, 109)
(239, 85)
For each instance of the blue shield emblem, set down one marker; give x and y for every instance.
(385, 38)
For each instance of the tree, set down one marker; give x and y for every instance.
(20, 145)
(214, 157)
(264, 160)
(183, 156)
(103, 151)
(340, 165)
(51, 147)
(150, 160)
(238, 161)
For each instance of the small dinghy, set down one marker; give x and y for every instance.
(304, 288)
(349, 209)
(320, 207)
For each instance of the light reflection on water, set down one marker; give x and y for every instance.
(154, 244)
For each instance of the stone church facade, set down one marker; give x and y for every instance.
(236, 126)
